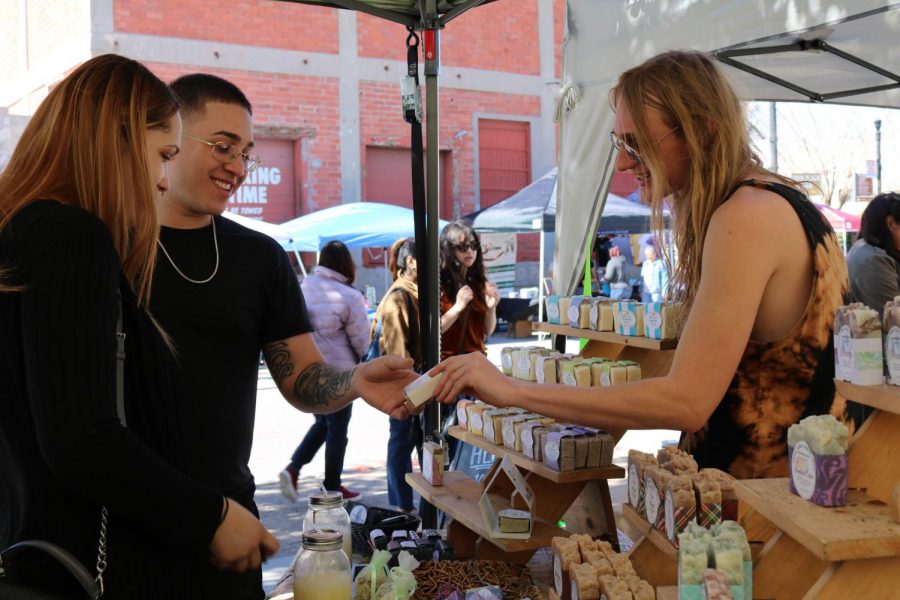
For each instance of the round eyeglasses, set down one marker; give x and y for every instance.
(620, 144)
(227, 153)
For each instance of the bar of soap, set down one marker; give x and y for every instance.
(629, 318)
(433, 463)
(475, 412)
(583, 374)
(462, 416)
(660, 320)
(545, 368)
(552, 304)
(585, 584)
(605, 315)
(574, 312)
(512, 520)
(858, 347)
(817, 457)
(421, 390)
(715, 585)
(564, 302)
(618, 374)
(891, 329)
(632, 370)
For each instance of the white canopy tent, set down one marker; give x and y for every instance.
(813, 50)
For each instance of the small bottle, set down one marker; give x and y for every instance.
(322, 571)
(326, 511)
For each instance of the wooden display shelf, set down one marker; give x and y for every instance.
(538, 468)
(863, 528)
(607, 336)
(884, 396)
(458, 497)
(651, 533)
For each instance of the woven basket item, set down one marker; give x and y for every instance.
(514, 580)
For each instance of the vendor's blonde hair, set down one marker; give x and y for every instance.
(693, 96)
(86, 146)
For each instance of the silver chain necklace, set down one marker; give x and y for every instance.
(177, 270)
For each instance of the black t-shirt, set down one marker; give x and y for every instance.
(63, 452)
(218, 329)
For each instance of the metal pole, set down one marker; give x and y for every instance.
(432, 354)
(773, 135)
(878, 153)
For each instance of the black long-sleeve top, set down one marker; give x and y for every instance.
(63, 451)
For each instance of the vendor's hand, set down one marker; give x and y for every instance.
(380, 383)
(491, 295)
(473, 374)
(463, 297)
(241, 542)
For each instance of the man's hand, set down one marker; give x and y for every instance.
(473, 374)
(380, 383)
(241, 542)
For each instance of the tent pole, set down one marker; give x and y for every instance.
(299, 261)
(431, 355)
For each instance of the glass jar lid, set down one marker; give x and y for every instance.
(323, 539)
(326, 499)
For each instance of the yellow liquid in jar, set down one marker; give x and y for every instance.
(323, 585)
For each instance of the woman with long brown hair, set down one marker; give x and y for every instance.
(759, 271)
(78, 236)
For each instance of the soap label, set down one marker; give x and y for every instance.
(634, 486)
(553, 311)
(651, 501)
(627, 319)
(557, 575)
(653, 319)
(803, 470)
(844, 352)
(573, 314)
(670, 515)
(892, 354)
(593, 315)
(506, 361)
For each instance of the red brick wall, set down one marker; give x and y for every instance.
(266, 23)
(501, 36)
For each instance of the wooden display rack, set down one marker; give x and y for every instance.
(806, 551)
(554, 493)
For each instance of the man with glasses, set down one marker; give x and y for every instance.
(222, 293)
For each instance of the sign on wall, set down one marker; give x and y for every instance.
(268, 192)
(498, 251)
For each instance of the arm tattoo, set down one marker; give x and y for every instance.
(278, 357)
(321, 384)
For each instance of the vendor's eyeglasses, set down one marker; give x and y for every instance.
(473, 245)
(226, 153)
(632, 153)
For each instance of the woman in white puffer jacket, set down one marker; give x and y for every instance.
(338, 315)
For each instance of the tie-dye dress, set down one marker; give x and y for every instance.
(777, 384)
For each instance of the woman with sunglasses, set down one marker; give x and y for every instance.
(78, 235)
(468, 300)
(759, 273)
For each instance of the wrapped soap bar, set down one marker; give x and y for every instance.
(476, 422)
(523, 366)
(607, 447)
(730, 560)
(492, 429)
(715, 585)
(421, 390)
(574, 312)
(585, 585)
(679, 462)
(858, 349)
(594, 312)
(512, 520)
(582, 448)
(655, 481)
(891, 329)
(552, 305)
(632, 370)
(637, 462)
(567, 371)
(727, 488)
(530, 436)
(565, 554)
(708, 498)
(582, 372)
(545, 368)
(660, 320)
(506, 360)
(606, 320)
(559, 450)
(507, 428)
(618, 373)
(433, 463)
(462, 416)
(564, 302)
(629, 318)
(680, 507)
(817, 455)
(519, 427)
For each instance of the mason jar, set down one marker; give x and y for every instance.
(322, 570)
(326, 511)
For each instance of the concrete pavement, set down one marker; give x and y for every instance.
(279, 428)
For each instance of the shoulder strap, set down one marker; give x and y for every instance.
(120, 365)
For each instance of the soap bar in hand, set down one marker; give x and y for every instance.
(421, 390)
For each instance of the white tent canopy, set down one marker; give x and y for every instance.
(608, 37)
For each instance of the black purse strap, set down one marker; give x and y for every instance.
(92, 586)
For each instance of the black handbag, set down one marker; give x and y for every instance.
(92, 586)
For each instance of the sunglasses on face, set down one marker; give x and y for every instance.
(620, 144)
(473, 246)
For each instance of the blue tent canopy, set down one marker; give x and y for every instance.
(356, 224)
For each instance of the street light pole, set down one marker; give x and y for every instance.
(878, 152)
(773, 135)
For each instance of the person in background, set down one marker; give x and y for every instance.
(616, 275)
(468, 300)
(654, 275)
(760, 274)
(338, 314)
(398, 314)
(78, 231)
(874, 259)
(225, 292)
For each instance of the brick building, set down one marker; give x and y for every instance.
(325, 88)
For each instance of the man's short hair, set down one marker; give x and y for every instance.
(198, 89)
